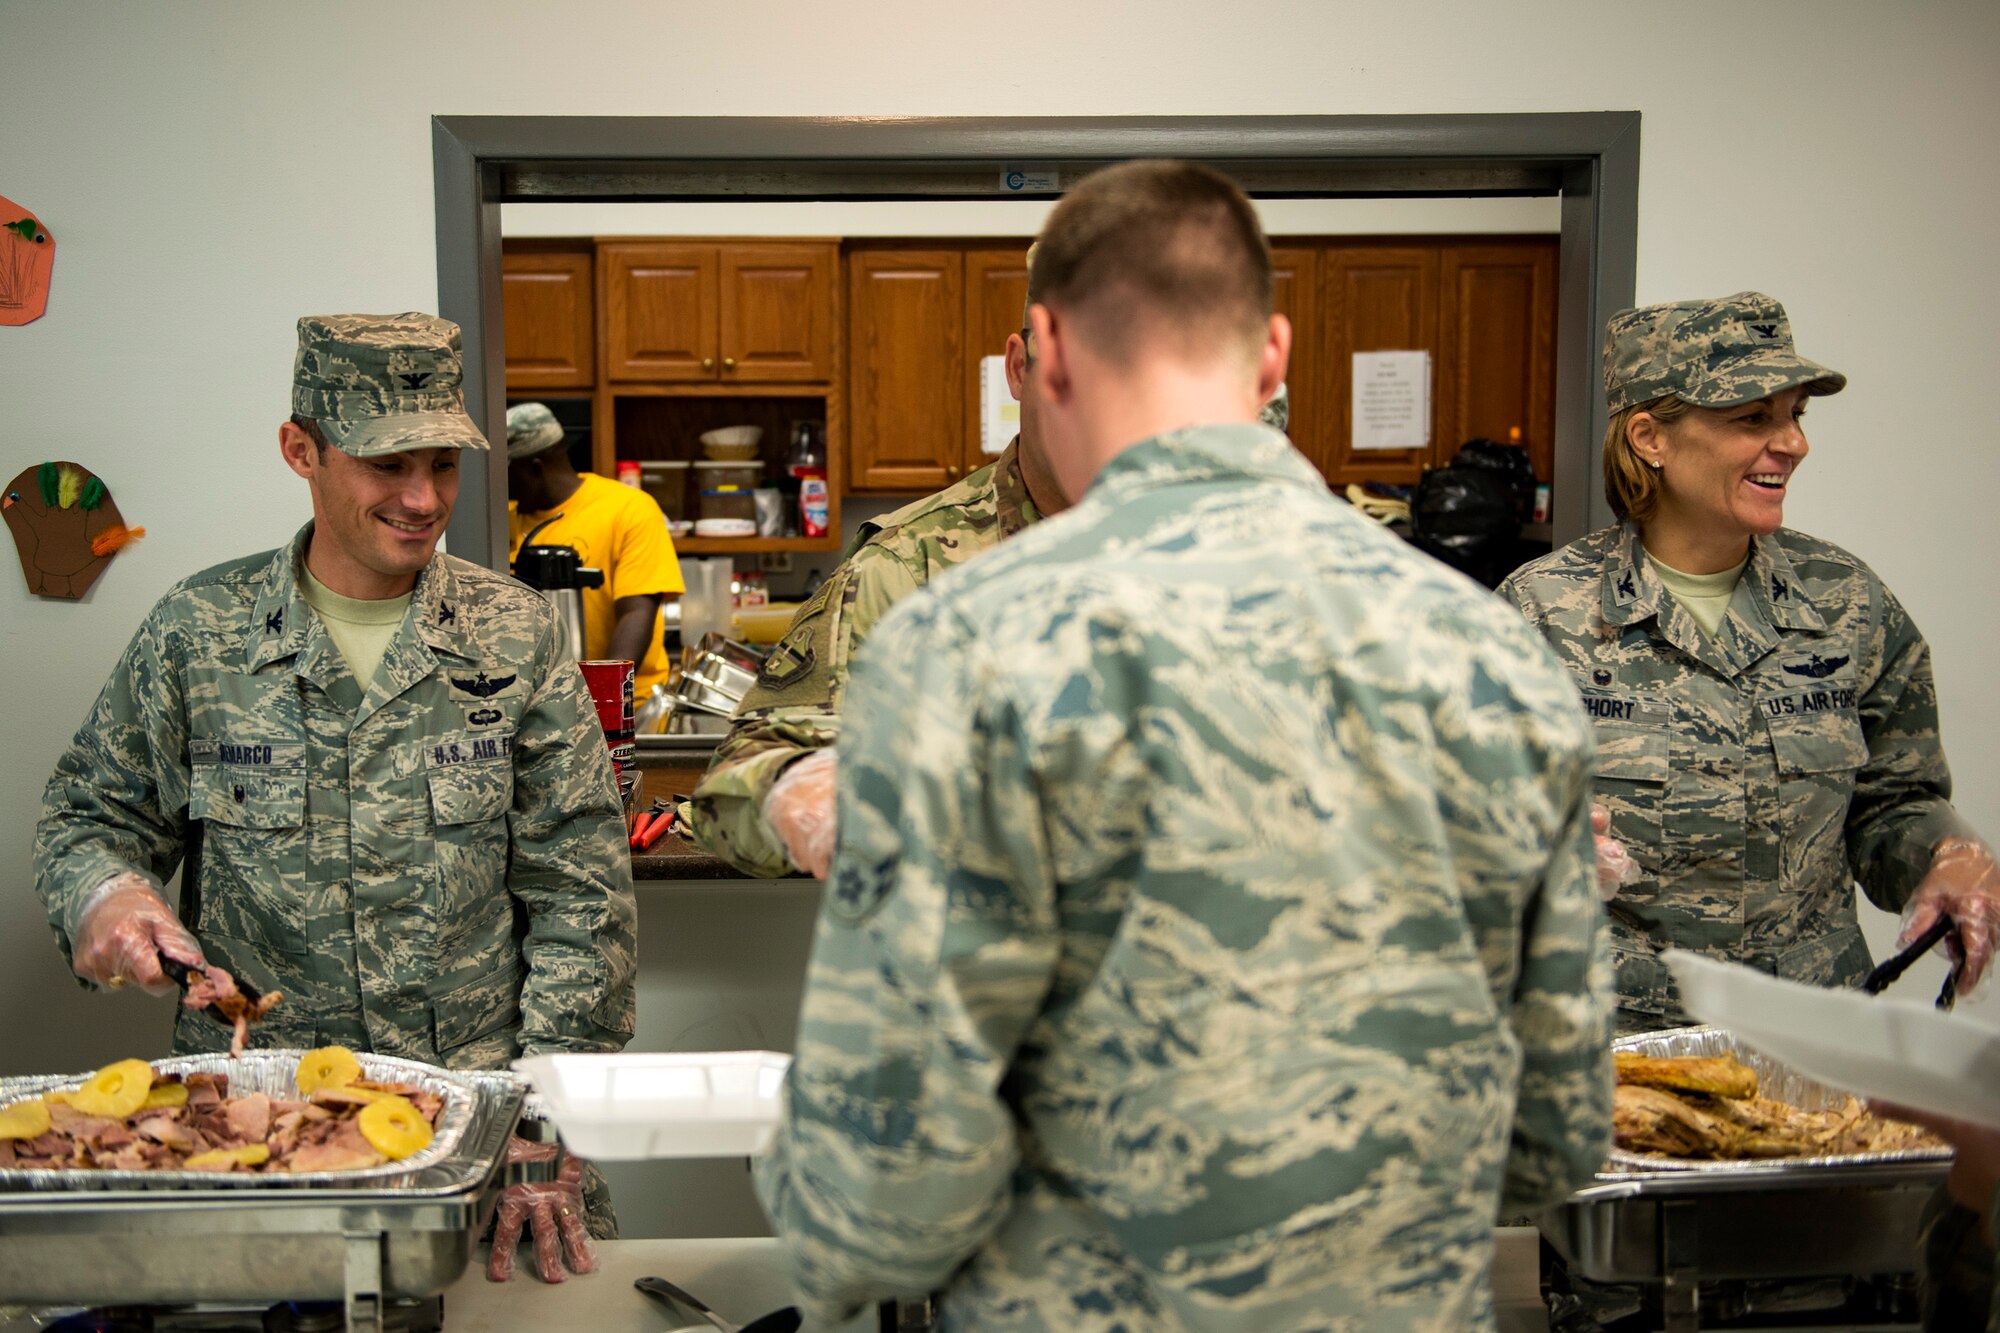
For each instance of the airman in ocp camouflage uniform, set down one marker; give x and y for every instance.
(1210, 943)
(1193, 920)
(1756, 770)
(405, 823)
(794, 707)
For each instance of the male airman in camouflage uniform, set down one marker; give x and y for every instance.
(1211, 941)
(426, 863)
(1755, 773)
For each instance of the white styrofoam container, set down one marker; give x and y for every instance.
(1871, 1045)
(640, 1105)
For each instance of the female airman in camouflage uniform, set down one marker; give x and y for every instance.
(1767, 728)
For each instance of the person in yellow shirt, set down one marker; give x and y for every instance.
(613, 527)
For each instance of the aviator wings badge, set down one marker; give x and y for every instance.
(482, 688)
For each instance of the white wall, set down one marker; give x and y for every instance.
(213, 170)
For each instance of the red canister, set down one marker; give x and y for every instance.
(610, 685)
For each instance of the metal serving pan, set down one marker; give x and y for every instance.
(357, 1237)
(1774, 1081)
(1653, 1219)
(270, 1072)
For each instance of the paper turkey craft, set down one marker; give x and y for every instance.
(65, 526)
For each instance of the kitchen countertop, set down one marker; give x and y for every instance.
(741, 1279)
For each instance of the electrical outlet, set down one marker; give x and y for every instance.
(775, 562)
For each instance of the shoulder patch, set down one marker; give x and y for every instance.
(796, 671)
(854, 892)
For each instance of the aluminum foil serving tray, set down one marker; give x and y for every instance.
(1775, 1082)
(270, 1072)
(156, 1237)
(1654, 1219)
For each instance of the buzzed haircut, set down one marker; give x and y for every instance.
(1157, 252)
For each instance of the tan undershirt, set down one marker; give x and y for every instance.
(1706, 596)
(361, 630)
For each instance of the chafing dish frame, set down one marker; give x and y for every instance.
(406, 1237)
(1675, 1228)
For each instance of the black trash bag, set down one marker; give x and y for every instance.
(1509, 461)
(1465, 517)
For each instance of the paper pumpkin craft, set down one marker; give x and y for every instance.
(65, 526)
(27, 258)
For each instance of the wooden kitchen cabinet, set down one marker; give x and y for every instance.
(1497, 348)
(1483, 307)
(996, 290)
(703, 313)
(548, 309)
(777, 320)
(1295, 295)
(1372, 299)
(905, 341)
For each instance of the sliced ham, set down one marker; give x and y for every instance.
(249, 1117)
(170, 1132)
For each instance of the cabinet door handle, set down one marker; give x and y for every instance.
(729, 363)
(951, 472)
(708, 363)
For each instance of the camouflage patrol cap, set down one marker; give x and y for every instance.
(531, 429)
(1717, 353)
(383, 384)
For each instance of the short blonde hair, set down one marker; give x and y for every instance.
(1631, 485)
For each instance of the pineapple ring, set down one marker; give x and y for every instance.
(24, 1120)
(394, 1127)
(255, 1154)
(163, 1095)
(115, 1091)
(327, 1067)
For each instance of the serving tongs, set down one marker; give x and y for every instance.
(1878, 981)
(181, 975)
(786, 1320)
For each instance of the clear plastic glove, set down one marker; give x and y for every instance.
(1615, 867)
(799, 809)
(1964, 884)
(122, 929)
(552, 1209)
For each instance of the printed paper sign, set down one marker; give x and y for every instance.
(999, 412)
(1392, 400)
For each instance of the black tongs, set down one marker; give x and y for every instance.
(177, 972)
(1878, 980)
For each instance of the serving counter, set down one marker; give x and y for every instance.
(743, 1278)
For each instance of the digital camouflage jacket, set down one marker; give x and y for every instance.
(1755, 775)
(1211, 941)
(430, 869)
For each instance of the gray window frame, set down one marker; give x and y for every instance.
(1590, 159)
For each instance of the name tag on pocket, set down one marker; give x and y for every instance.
(1603, 707)
(279, 756)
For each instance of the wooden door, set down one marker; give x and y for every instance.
(546, 307)
(659, 311)
(1373, 299)
(777, 313)
(906, 399)
(1497, 346)
(1295, 295)
(996, 292)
